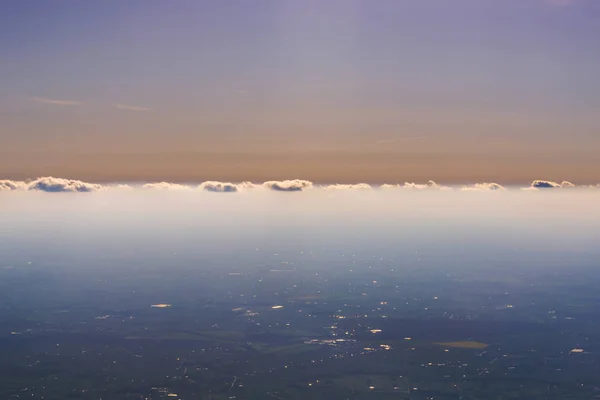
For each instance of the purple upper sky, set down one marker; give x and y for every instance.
(325, 90)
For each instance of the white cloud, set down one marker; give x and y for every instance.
(50, 184)
(418, 186)
(119, 186)
(8, 185)
(347, 187)
(166, 186)
(56, 102)
(225, 187)
(294, 185)
(541, 184)
(484, 187)
(130, 108)
(428, 185)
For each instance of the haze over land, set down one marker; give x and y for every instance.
(324, 293)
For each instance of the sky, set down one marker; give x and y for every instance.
(338, 91)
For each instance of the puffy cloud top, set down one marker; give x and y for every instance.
(544, 184)
(389, 186)
(484, 187)
(7, 185)
(412, 185)
(540, 184)
(222, 187)
(121, 186)
(295, 185)
(50, 184)
(428, 185)
(347, 187)
(166, 186)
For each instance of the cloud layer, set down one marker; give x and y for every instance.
(55, 185)
(56, 101)
(355, 186)
(418, 186)
(59, 102)
(483, 187)
(295, 185)
(540, 184)
(165, 186)
(6, 185)
(50, 184)
(225, 187)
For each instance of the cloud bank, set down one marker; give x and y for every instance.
(483, 187)
(428, 185)
(55, 185)
(166, 186)
(225, 187)
(7, 185)
(347, 187)
(418, 186)
(541, 184)
(295, 185)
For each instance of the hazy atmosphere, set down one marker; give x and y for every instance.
(413, 292)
